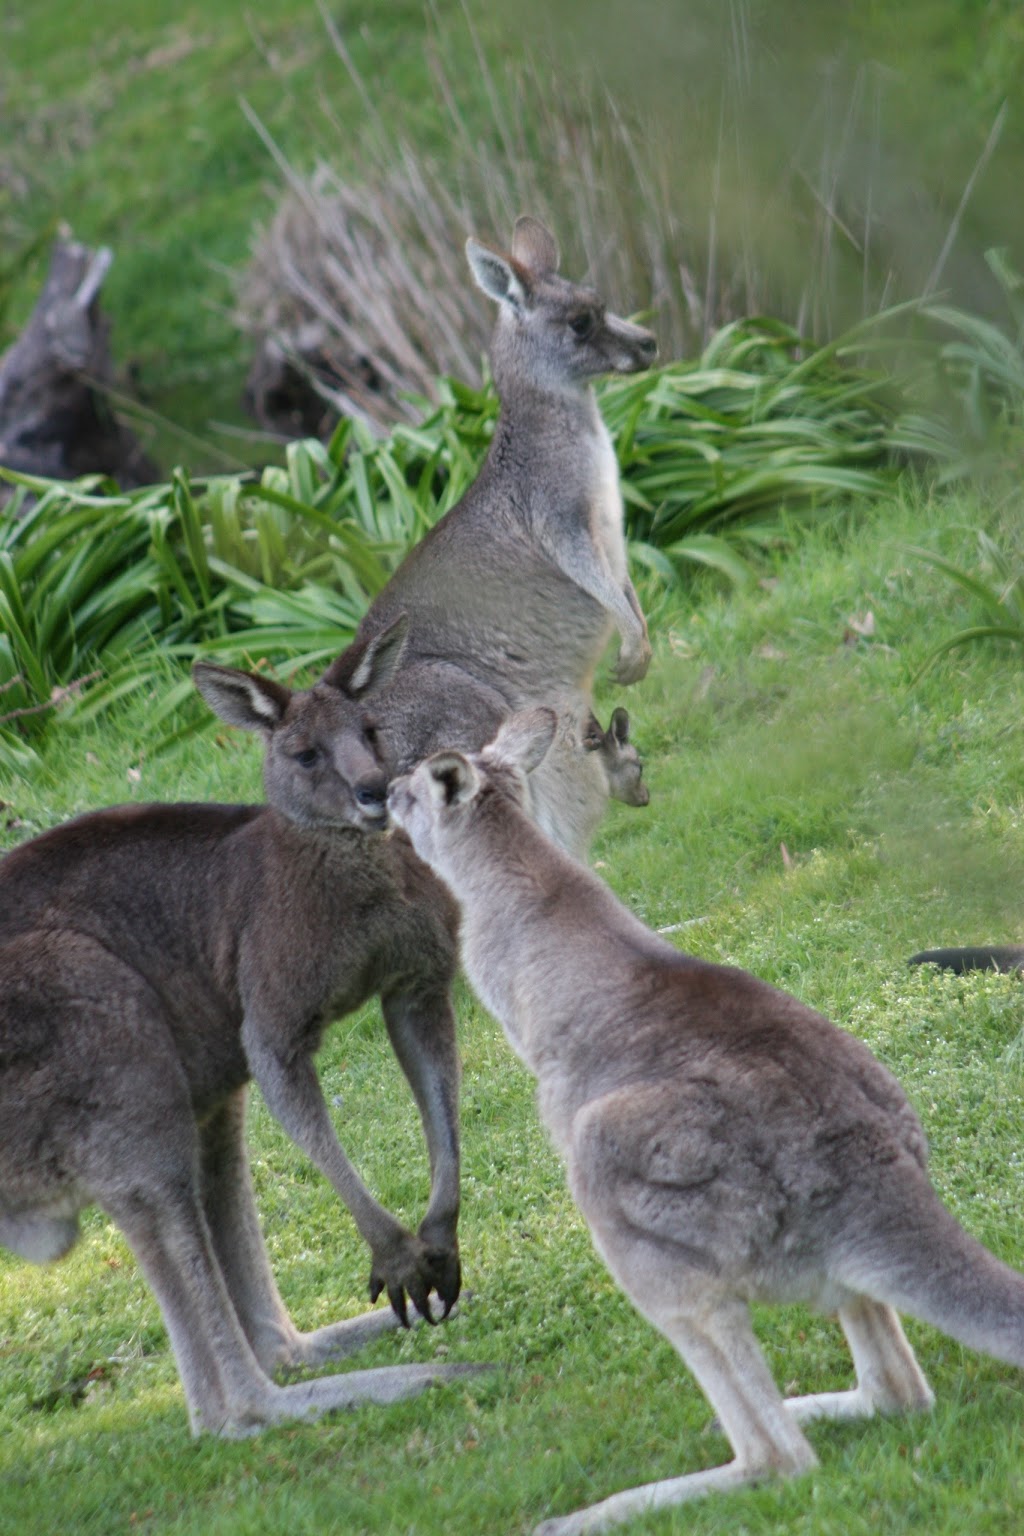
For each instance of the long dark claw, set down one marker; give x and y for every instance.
(396, 1296)
(446, 1275)
(376, 1286)
(419, 1295)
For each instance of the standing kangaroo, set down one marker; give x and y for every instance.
(725, 1143)
(153, 960)
(514, 594)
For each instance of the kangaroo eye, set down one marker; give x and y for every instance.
(372, 734)
(583, 324)
(307, 757)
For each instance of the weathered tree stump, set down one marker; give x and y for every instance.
(55, 419)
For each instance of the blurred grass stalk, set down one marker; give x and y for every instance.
(996, 585)
(361, 280)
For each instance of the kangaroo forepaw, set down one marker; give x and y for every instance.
(411, 1272)
(446, 1272)
(632, 664)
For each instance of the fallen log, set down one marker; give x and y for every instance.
(55, 418)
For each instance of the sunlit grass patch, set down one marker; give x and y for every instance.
(901, 809)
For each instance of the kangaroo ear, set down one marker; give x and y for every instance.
(534, 247)
(381, 659)
(452, 778)
(244, 699)
(523, 739)
(495, 274)
(620, 725)
(593, 735)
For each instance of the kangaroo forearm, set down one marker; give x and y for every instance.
(378, 1228)
(293, 1096)
(634, 602)
(598, 582)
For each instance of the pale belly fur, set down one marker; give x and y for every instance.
(606, 507)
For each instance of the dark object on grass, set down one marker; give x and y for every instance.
(54, 416)
(978, 957)
(281, 389)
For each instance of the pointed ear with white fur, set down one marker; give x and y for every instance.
(523, 740)
(620, 725)
(381, 659)
(245, 699)
(452, 778)
(495, 275)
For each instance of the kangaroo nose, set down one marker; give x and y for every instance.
(649, 348)
(372, 794)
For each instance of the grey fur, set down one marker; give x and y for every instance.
(153, 960)
(725, 1143)
(513, 596)
(622, 764)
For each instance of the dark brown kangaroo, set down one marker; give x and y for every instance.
(514, 595)
(153, 960)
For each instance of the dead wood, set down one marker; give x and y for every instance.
(55, 419)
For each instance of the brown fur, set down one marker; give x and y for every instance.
(153, 960)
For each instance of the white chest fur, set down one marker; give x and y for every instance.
(606, 504)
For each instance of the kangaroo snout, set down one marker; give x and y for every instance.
(371, 795)
(399, 799)
(647, 346)
(638, 346)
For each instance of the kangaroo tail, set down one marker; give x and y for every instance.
(980, 957)
(913, 1254)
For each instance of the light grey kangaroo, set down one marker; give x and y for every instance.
(620, 760)
(153, 960)
(514, 594)
(725, 1143)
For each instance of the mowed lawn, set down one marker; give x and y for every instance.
(813, 817)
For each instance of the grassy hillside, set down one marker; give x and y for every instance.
(814, 818)
(131, 132)
(124, 122)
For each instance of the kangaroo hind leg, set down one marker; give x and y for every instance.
(889, 1379)
(720, 1348)
(231, 1214)
(226, 1390)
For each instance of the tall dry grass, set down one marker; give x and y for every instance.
(358, 285)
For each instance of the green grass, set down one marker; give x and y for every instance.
(766, 720)
(125, 123)
(285, 566)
